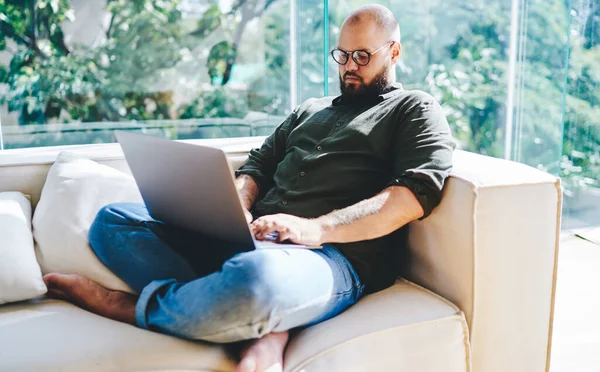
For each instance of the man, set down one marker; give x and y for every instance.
(346, 173)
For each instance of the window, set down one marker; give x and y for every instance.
(518, 79)
(580, 143)
(181, 69)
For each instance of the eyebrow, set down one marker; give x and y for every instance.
(347, 50)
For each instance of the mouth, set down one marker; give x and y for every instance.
(351, 78)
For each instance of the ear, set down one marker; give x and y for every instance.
(396, 51)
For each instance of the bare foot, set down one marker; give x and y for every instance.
(91, 296)
(265, 354)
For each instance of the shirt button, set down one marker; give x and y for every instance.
(284, 202)
(319, 148)
(302, 174)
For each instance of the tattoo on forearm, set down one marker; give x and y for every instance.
(358, 211)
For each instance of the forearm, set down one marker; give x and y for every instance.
(371, 218)
(248, 190)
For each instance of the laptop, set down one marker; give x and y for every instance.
(191, 186)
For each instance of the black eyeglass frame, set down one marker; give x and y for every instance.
(354, 58)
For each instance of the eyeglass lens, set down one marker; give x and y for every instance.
(359, 56)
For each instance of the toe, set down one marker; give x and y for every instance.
(49, 279)
(57, 294)
(53, 280)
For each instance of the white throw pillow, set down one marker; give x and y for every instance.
(75, 190)
(20, 275)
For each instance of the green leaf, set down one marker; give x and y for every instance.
(27, 70)
(210, 21)
(54, 4)
(3, 74)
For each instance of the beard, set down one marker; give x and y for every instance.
(364, 92)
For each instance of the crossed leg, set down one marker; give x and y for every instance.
(263, 354)
(189, 291)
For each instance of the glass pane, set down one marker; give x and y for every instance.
(580, 163)
(457, 51)
(311, 51)
(539, 84)
(175, 68)
(517, 79)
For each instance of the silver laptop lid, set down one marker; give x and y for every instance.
(187, 185)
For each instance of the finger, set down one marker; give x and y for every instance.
(267, 228)
(257, 225)
(264, 229)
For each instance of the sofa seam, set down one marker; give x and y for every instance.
(466, 342)
(559, 203)
(437, 296)
(298, 368)
(474, 263)
(483, 186)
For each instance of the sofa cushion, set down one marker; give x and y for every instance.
(403, 328)
(75, 190)
(20, 275)
(52, 335)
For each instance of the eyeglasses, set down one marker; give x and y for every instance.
(360, 57)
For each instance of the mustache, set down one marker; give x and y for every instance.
(347, 74)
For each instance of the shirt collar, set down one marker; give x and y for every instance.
(390, 91)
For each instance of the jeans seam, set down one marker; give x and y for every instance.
(344, 293)
(341, 260)
(142, 222)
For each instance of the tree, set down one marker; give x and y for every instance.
(111, 82)
(34, 26)
(552, 98)
(457, 50)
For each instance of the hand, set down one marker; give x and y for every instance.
(248, 215)
(296, 229)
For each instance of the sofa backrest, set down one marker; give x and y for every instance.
(25, 170)
(491, 247)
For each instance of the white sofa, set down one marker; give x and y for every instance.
(478, 294)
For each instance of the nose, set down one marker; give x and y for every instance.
(351, 65)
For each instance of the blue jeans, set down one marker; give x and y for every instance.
(201, 288)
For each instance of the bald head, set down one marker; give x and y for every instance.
(377, 15)
(373, 32)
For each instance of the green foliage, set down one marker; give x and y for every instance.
(457, 50)
(210, 21)
(557, 107)
(144, 37)
(42, 87)
(111, 82)
(217, 103)
(221, 56)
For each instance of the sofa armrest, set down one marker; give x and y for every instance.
(491, 247)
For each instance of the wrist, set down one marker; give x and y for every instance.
(326, 229)
(247, 205)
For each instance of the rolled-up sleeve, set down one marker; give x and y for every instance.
(422, 153)
(262, 162)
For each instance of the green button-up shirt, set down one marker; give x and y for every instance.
(329, 154)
